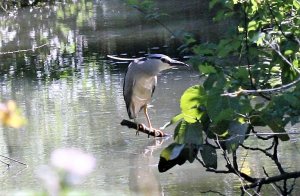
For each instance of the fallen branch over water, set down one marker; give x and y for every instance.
(143, 128)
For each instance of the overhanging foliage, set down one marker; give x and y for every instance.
(258, 58)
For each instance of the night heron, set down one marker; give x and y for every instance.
(140, 82)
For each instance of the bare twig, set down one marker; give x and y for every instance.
(7, 164)
(26, 50)
(156, 20)
(11, 159)
(3, 8)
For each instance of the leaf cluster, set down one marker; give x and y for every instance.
(251, 80)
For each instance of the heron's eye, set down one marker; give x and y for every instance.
(164, 60)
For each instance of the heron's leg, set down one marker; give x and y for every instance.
(147, 116)
(149, 123)
(137, 127)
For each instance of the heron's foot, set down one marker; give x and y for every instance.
(140, 127)
(157, 132)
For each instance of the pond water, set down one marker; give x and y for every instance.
(72, 96)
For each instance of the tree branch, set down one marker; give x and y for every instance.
(269, 180)
(291, 38)
(144, 129)
(258, 91)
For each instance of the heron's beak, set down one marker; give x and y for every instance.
(178, 63)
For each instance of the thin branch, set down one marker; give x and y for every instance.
(209, 169)
(156, 20)
(274, 184)
(234, 161)
(247, 47)
(26, 50)
(3, 8)
(256, 149)
(11, 159)
(259, 135)
(258, 91)
(269, 180)
(292, 187)
(275, 156)
(281, 55)
(242, 176)
(7, 164)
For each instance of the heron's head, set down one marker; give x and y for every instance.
(163, 62)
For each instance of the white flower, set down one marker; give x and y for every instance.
(50, 178)
(73, 161)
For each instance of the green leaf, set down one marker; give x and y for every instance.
(177, 154)
(225, 114)
(174, 154)
(237, 132)
(210, 81)
(212, 3)
(172, 151)
(242, 74)
(258, 38)
(209, 156)
(296, 63)
(190, 152)
(176, 118)
(173, 120)
(190, 103)
(275, 125)
(288, 52)
(186, 133)
(224, 47)
(292, 100)
(221, 108)
(255, 118)
(252, 26)
(296, 3)
(220, 128)
(207, 69)
(218, 107)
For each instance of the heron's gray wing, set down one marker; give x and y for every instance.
(127, 91)
(138, 88)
